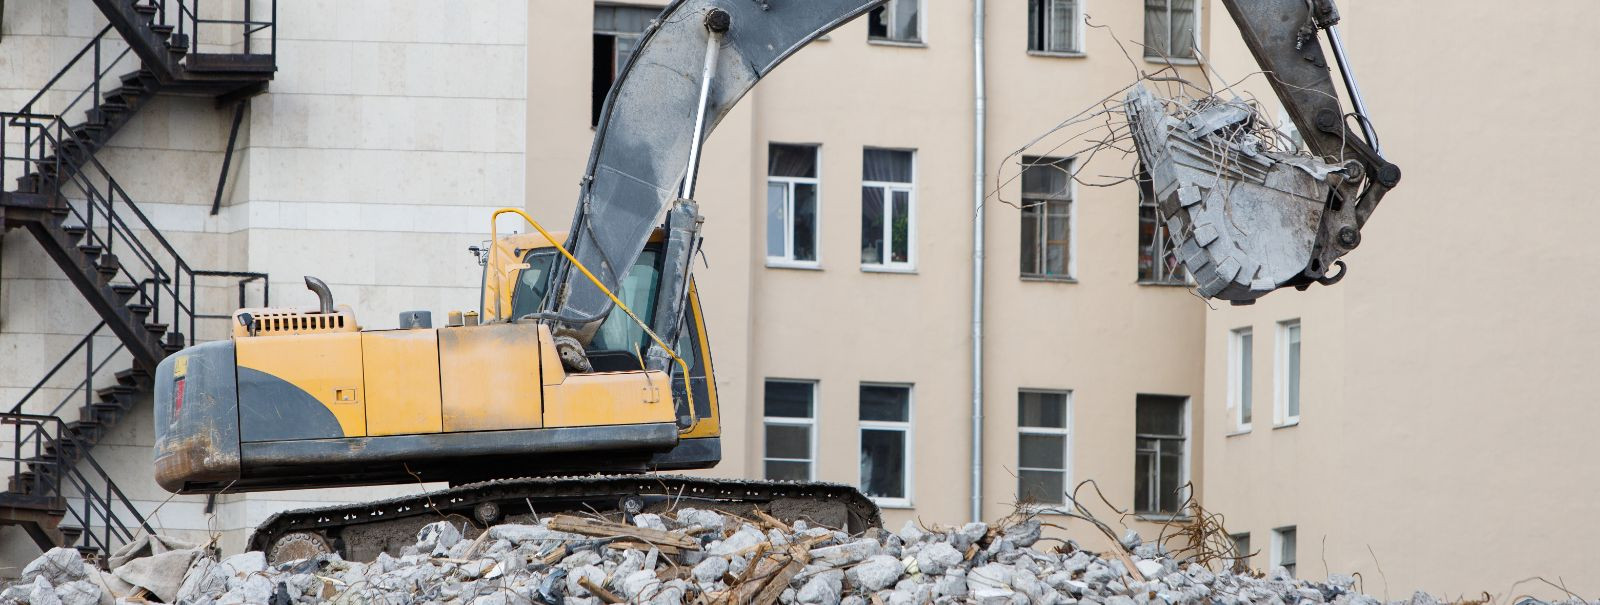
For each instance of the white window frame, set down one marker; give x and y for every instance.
(909, 444)
(922, 25)
(1277, 548)
(1077, 32)
(1281, 374)
(811, 423)
(1064, 432)
(1072, 223)
(788, 261)
(888, 188)
(1237, 390)
(1184, 476)
(1199, 34)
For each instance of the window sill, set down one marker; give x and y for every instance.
(887, 269)
(1167, 61)
(1163, 517)
(1165, 284)
(800, 266)
(892, 503)
(1058, 279)
(1058, 54)
(1243, 431)
(1286, 425)
(899, 43)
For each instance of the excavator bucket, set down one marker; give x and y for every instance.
(1244, 220)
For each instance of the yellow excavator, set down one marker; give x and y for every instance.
(587, 366)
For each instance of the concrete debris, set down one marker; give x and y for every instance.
(741, 561)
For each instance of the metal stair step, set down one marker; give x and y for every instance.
(132, 376)
(162, 30)
(139, 311)
(109, 393)
(143, 77)
(147, 10)
(156, 328)
(122, 94)
(108, 266)
(90, 250)
(75, 232)
(124, 292)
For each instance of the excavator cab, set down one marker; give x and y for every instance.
(520, 277)
(307, 398)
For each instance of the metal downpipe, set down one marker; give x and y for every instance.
(978, 151)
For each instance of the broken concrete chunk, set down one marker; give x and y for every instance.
(58, 566)
(876, 573)
(938, 557)
(846, 554)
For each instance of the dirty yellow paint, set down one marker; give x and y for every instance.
(328, 366)
(180, 366)
(402, 377)
(549, 360)
(489, 377)
(608, 399)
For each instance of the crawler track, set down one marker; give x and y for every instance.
(361, 531)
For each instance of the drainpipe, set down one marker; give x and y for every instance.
(979, 131)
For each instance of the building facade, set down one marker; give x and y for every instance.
(837, 277)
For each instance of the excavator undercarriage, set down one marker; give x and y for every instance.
(359, 532)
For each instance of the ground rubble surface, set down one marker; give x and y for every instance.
(690, 556)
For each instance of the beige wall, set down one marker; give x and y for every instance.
(1448, 419)
(841, 326)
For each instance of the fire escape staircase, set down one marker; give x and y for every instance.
(54, 187)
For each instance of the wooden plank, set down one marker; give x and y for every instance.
(604, 529)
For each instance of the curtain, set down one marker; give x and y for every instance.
(905, 26)
(886, 165)
(792, 160)
(1183, 29)
(1157, 29)
(1063, 25)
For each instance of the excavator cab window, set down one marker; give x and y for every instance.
(620, 342)
(690, 348)
(532, 282)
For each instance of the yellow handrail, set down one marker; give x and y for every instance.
(494, 236)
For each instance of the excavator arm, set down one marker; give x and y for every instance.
(701, 56)
(692, 65)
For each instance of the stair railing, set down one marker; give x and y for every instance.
(187, 18)
(43, 471)
(34, 129)
(167, 283)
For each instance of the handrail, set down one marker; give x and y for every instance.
(17, 409)
(51, 476)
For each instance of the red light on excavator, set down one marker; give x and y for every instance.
(177, 397)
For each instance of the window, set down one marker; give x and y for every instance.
(617, 30)
(1288, 378)
(888, 229)
(791, 436)
(1046, 217)
(1160, 452)
(1283, 548)
(886, 443)
(1158, 260)
(1241, 552)
(1240, 359)
(1042, 447)
(1171, 28)
(792, 204)
(896, 21)
(1053, 26)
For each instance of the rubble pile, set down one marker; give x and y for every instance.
(692, 556)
